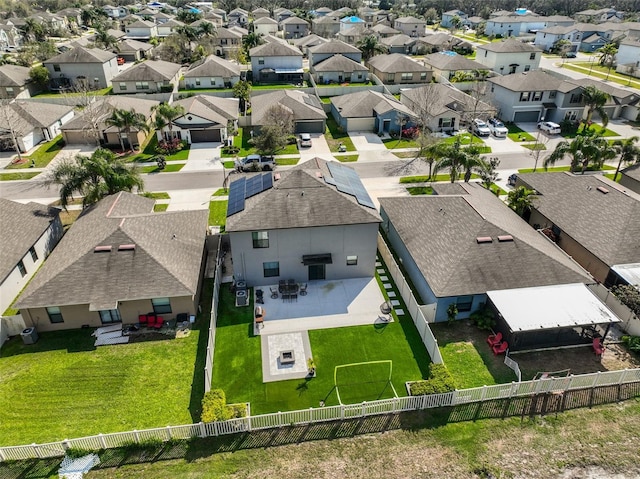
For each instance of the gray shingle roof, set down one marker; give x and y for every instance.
(219, 110)
(265, 21)
(301, 200)
(150, 70)
(632, 172)
(27, 115)
(165, 263)
(275, 49)
(312, 40)
(20, 227)
(608, 225)
(14, 75)
(438, 98)
(365, 104)
(535, 80)
(103, 108)
(334, 46)
(396, 63)
(130, 46)
(440, 234)
(303, 105)
(452, 63)
(509, 45)
(213, 66)
(338, 63)
(294, 21)
(82, 55)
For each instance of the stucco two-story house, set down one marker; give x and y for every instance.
(227, 42)
(412, 26)
(294, 27)
(212, 72)
(509, 56)
(396, 68)
(15, 82)
(141, 30)
(326, 27)
(522, 22)
(447, 16)
(89, 67)
(322, 230)
(276, 62)
(548, 37)
(326, 50)
(265, 26)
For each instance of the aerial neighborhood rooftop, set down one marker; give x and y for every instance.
(226, 220)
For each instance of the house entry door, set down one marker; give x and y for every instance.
(316, 271)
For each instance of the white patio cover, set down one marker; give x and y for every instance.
(547, 307)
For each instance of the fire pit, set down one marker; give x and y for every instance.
(287, 357)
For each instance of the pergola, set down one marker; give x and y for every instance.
(550, 316)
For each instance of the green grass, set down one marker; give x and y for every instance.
(326, 99)
(552, 169)
(276, 86)
(420, 190)
(468, 139)
(594, 128)
(534, 146)
(614, 77)
(167, 169)
(354, 84)
(102, 92)
(217, 213)
(347, 158)
(610, 176)
(221, 192)
(466, 365)
(42, 156)
(158, 195)
(434, 179)
(517, 134)
(64, 387)
(18, 176)
(287, 161)
(394, 143)
(242, 141)
(149, 152)
(230, 164)
(159, 207)
(335, 136)
(238, 360)
(497, 190)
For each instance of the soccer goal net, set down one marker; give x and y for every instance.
(367, 381)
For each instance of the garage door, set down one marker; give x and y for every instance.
(201, 136)
(361, 124)
(310, 126)
(526, 116)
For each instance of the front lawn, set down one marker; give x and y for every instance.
(42, 156)
(160, 207)
(552, 169)
(18, 176)
(242, 141)
(218, 213)
(169, 168)
(346, 158)
(396, 143)
(535, 146)
(335, 136)
(238, 361)
(287, 161)
(420, 190)
(595, 129)
(434, 179)
(517, 134)
(149, 153)
(64, 387)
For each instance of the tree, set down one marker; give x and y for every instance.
(105, 41)
(457, 159)
(251, 40)
(608, 56)
(628, 152)
(594, 100)
(11, 123)
(270, 140)
(370, 47)
(538, 148)
(488, 171)
(521, 199)
(93, 177)
(242, 91)
(165, 114)
(628, 295)
(456, 23)
(431, 15)
(34, 31)
(280, 116)
(584, 150)
(462, 76)
(175, 48)
(206, 29)
(126, 121)
(561, 47)
(40, 76)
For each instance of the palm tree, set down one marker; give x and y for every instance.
(595, 100)
(251, 40)
(126, 121)
(462, 76)
(583, 151)
(520, 200)
(93, 177)
(370, 47)
(165, 114)
(629, 152)
(452, 157)
(206, 29)
(104, 40)
(607, 56)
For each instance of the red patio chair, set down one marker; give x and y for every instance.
(142, 319)
(598, 347)
(151, 321)
(500, 348)
(494, 339)
(159, 322)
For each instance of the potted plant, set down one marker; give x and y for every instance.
(311, 366)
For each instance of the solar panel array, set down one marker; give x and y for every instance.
(347, 181)
(244, 188)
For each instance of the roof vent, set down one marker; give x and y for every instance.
(318, 174)
(504, 238)
(484, 239)
(602, 190)
(102, 249)
(126, 247)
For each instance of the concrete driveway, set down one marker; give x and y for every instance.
(366, 140)
(319, 148)
(204, 156)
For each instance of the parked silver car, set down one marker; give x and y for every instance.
(480, 128)
(549, 127)
(256, 163)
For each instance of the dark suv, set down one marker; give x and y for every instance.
(256, 163)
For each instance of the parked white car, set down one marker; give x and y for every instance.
(497, 128)
(549, 127)
(305, 139)
(480, 128)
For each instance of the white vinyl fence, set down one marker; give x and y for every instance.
(630, 322)
(419, 313)
(331, 413)
(211, 342)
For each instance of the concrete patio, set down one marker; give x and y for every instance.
(327, 304)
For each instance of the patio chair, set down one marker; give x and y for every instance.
(159, 322)
(500, 348)
(291, 282)
(303, 289)
(282, 285)
(274, 292)
(598, 347)
(494, 339)
(142, 319)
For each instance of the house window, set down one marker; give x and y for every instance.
(532, 56)
(464, 303)
(198, 81)
(123, 87)
(407, 76)
(260, 239)
(55, 316)
(213, 82)
(260, 61)
(142, 85)
(527, 68)
(9, 91)
(108, 316)
(423, 76)
(34, 254)
(359, 76)
(56, 68)
(485, 53)
(444, 123)
(161, 305)
(352, 260)
(23, 270)
(552, 95)
(525, 96)
(537, 96)
(271, 269)
(391, 77)
(576, 98)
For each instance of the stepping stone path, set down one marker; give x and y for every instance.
(384, 278)
(399, 312)
(387, 286)
(395, 302)
(381, 271)
(391, 294)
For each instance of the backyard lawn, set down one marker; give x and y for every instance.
(64, 387)
(218, 212)
(42, 156)
(238, 361)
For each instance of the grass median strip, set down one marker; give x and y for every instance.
(18, 176)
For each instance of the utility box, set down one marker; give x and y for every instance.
(29, 336)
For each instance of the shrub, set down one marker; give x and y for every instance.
(568, 127)
(214, 406)
(484, 318)
(230, 150)
(169, 147)
(440, 381)
(632, 342)
(411, 133)
(292, 140)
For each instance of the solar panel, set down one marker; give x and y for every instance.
(347, 181)
(253, 186)
(267, 181)
(236, 197)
